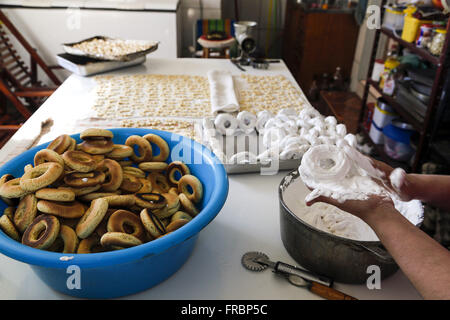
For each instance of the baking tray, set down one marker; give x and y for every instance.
(85, 66)
(69, 48)
(231, 145)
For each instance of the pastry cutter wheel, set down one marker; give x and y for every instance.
(320, 285)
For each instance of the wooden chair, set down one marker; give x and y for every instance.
(18, 82)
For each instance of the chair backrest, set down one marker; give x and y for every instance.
(206, 25)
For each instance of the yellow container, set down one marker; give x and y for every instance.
(411, 25)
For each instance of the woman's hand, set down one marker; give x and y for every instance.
(368, 210)
(405, 186)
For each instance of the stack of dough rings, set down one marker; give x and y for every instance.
(99, 196)
(286, 135)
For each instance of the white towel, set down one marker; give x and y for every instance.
(223, 93)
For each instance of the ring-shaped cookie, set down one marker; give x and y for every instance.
(25, 213)
(130, 184)
(42, 232)
(79, 161)
(119, 240)
(92, 218)
(96, 195)
(96, 133)
(69, 239)
(180, 215)
(82, 180)
(125, 200)
(70, 210)
(8, 227)
(133, 171)
(196, 187)
(119, 152)
(153, 166)
(114, 175)
(97, 146)
(61, 143)
(41, 176)
(144, 148)
(90, 245)
(176, 224)
(11, 189)
(126, 222)
(146, 186)
(187, 205)
(173, 168)
(159, 182)
(152, 223)
(52, 194)
(47, 155)
(164, 150)
(150, 200)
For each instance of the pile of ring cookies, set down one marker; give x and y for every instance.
(98, 196)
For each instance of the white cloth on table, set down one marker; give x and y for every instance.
(223, 92)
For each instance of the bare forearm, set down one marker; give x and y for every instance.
(424, 261)
(431, 189)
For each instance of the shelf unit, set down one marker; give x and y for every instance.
(422, 127)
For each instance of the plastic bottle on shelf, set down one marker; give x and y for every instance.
(437, 43)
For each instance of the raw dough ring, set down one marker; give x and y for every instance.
(8, 227)
(79, 161)
(41, 176)
(61, 144)
(247, 121)
(119, 240)
(123, 221)
(164, 150)
(144, 148)
(114, 175)
(226, 124)
(152, 224)
(196, 186)
(25, 213)
(72, 210)
(176, 166)
(42, 232)
(92, 218)
(47, 155)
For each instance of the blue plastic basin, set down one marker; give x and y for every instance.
(127, 271)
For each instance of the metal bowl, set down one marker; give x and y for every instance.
(342, 259)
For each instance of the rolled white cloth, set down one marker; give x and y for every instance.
(222, 92)
(261, 119)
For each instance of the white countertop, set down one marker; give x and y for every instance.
(249, 220)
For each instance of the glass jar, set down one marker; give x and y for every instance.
(437, 44)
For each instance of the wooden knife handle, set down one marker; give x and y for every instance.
(329, 293)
